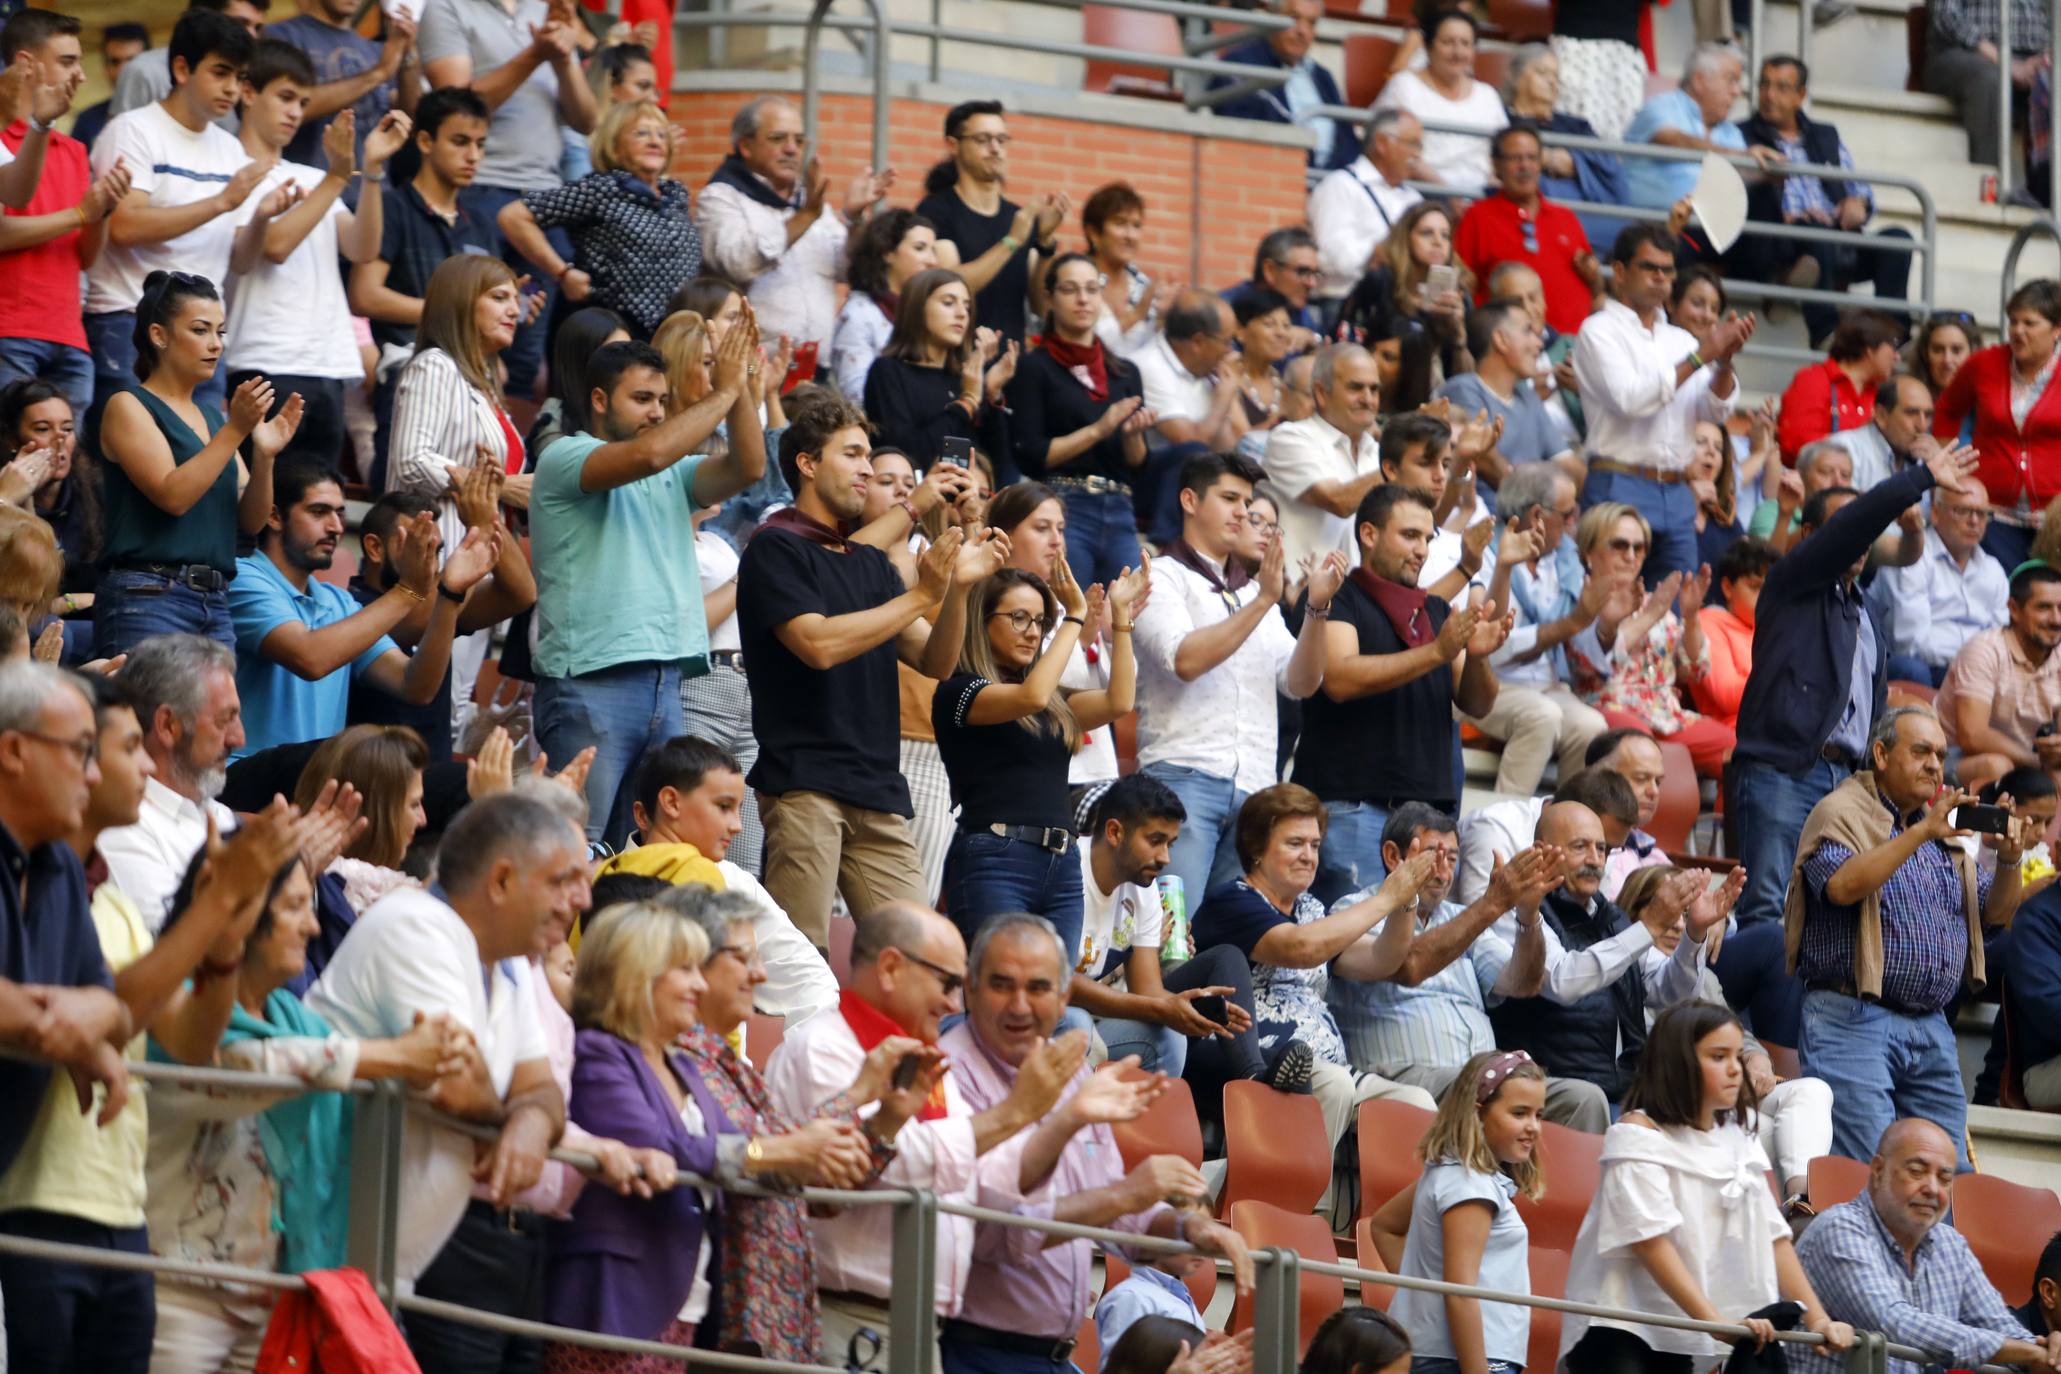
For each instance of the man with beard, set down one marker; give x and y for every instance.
(611, 528)
(302, 642)
(2005, 684)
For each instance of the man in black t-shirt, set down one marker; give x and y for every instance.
(998, 246)
(1381, 730)
(823, 618)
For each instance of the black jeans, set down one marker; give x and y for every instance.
(62, 1316)
(1607, 1350)
(321, 431)
(494, 1261)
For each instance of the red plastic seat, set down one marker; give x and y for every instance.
(1492, 67)
(1680, 801)
(1367, 59)
(1389, 1132)
(1168, 1127)
(1275, 1150)
(1784, 1060)
(1087, 1345)
(1136, 31)
(1833, 1179)
(1201, 1278)
(1371, 1294)
(2007, 1225)
(1265, 1226)
(1573, 1163)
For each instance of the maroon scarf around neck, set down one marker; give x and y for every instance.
(1087, 363)
(1233, 577)
(1404, 606)
(796, 522)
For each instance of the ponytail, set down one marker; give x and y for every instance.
(164, 294)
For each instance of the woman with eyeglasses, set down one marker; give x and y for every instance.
(891, 248)
(1396, 297)
(1633, 660)
(1446, 93)
(2006, 391)
(1078, 420)
(178, 493)
(1007, 731)
(939, 379)
(1113, 222)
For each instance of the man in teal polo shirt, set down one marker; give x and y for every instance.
(300, 642)
(619, 613)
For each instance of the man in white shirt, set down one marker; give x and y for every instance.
(1353, 208)
(1193, 398)
(1505, 827)
(767, 224)
(1320, 469)
(186, 179)
(1213, 651)
(690, 805)
(908, 967)
(511, 878)
(1644, 384)
(1954, 592)
(184, 691)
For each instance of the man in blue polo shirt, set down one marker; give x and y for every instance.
(610, 527)
(300, 643)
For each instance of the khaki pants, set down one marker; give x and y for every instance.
(817, 847)
(1533, 726)
(2043, 1085)
(842, 1320)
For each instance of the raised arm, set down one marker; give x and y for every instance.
(1324, 939)
(823, 641)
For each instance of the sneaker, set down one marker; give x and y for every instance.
(1826, 13)
(1292, 1069)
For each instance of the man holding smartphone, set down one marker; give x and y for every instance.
(2002, 692)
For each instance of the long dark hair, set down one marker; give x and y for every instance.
(1669, 1088)
(189, 884)
(1356, 1340)
(1013, 504)
(164, 295)
(911, 331)
(1150, 1345)
(873, 245)
(581, 333)
(16, 399)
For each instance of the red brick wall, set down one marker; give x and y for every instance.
(1208, 200)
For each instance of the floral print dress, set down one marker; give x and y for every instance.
(1642, 679)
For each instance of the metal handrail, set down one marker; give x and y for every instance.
(882, 72)
(2008, 278)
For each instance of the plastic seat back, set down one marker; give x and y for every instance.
(2006, 1224)
(1275, 1149)
(1573, 1166)
(1136, 31)
(1833, 1179)
(1371, 1294)
(1367, 58)
(1264, 1226)
(1168, 1127)
(1388, 1133)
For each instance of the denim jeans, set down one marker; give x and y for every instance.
(130, 606)
(65, 1316)
(1668, 508)
(491, 1265)
(320, 434)
(1101, 534)
(1882, 1065)
(1438, 1364)
(525, 357)
(1351, 858)
(988, 875)
(1753, 968)
(623, 711)
(1204, 856)
(112, 337)
(1911, 668)
(1768, 809)
(68, 369)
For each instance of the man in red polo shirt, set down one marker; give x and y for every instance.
(46, 243)
(1517, 224)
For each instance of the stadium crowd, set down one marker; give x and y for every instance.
(1028, 694)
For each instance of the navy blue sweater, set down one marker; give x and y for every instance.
(2034, 979)
(1804, 632)
(1269, 104)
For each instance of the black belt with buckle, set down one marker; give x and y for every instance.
(727, 658)
(522, 1221)
(1043, 1347)
(1093, 485)
(1841, 755)
(198, 576)
(1056, 838)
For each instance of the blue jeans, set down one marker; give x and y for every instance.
(1911, 668)
(1351, 858)
(988, 875)
(1101, 534)
(1204, 854)
(112, 337)
(1882, 1066)
(525, 356)
(1753, 968)
(623, 711)
(1768, 809)
(1438, 1364)
(130, 607)
(1668, 508)
(68, 369)
(65, 1316)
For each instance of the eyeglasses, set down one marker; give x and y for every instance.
(1627, 546)
(1024, 620)
(1976, 513)
(951, 982)
(1306, 273)
(750, 958)
(81, 749)
(983, 140)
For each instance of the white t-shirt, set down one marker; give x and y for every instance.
(173, 165)
(1128, 918)
(1172, 392)
(718, 564)
(410, 952)
(291, 316)
(1461, 161)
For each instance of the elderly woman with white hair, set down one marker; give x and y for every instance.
(1531, 93)
(1820, 466)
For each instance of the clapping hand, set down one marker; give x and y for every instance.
(1218, 1354)
(106, 192)
(474, 558)
(1129, 593)
(476, 491)
(1072, 600)
(983, 554)
(279, 200)
(250, 404)
(270, 437)
(492, 769)
(868, 189)
(332, 825)
(388, 137)
(1525, 880)
(413, 549)
(1713, 905)
(1406, 880)
(1116, 1093)
(573, 777)
(1491, 631)
(1002, 371)
(1326, 575)
(1523, 541)
(340, 145)
(1694, 588)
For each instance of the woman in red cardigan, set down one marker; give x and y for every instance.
(2007, 389)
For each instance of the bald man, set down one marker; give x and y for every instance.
(908, 974)
(1887, 1262)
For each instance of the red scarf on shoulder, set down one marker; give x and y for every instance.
(1404, 606)
(871, 1026)
(1087, 363)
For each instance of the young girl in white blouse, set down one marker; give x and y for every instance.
(1683, 1221)
(1459, 1222)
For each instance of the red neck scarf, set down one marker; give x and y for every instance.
(890, 304)
(1404, 606)
(796, 522)
(1188, 556)
(1085, 361)
(870, 1026)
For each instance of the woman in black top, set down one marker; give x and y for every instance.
(939, 377)
(1396, 298)
(174, 508)
(1007, 734)
(1077, 416)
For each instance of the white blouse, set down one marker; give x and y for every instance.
(1461, 161)
(1707, 1191)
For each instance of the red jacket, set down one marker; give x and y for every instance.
(1821, 399)
(2015, 465)
(337, 1326)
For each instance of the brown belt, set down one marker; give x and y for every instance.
(1665, 476)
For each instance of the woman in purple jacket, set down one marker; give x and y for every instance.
(642, 1265)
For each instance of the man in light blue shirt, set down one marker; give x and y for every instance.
(300, 642)
(619, 613)
(1954, 592)
(1694, 116)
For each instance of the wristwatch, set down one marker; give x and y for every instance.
(39, 126)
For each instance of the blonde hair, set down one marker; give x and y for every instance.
(608, 133)
(1456, 1133)
(31, 563)
(1408, 274)
(1600, 519)
(623, 951)
(682, 338)
(450, 318)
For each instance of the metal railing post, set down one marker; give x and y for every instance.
(1757, 17)
(2008, 276)
(912, 1308)
(1276, 1312)
(812, 80)
(2003, 101)
(937, 16)
(1803, 39)
(375, 1217)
